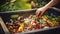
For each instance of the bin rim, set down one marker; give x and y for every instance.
(29, 10)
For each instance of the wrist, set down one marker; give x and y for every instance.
(45, 8)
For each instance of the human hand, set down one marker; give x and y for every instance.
(40, 12)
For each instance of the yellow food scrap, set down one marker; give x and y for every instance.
(21, 27)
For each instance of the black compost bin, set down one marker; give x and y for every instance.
(53, 30)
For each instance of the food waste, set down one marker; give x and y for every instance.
(20, 24)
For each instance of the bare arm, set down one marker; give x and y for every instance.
(50, 4)
(40, 11)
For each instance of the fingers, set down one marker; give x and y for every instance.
(39, 14)
(42, 12)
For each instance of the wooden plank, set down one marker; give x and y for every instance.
(6, 31)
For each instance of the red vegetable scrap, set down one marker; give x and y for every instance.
(36, 27)
(33, 22)
(41, 25)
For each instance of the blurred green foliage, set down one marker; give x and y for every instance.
(16, 5)
(12, 5)
(41, 3)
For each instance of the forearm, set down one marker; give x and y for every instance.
(50, 4)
